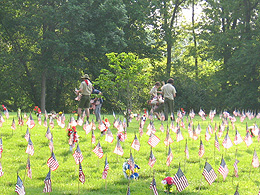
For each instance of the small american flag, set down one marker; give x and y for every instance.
(201, 150)
(152, 159)
(227, 143)
(45, 124)
(73, 122)
(13, 125)
(51, 145)
(255, 161)
(1, 147)
(236, 168)
(78, 157)
(207, 135)
(168, 140)
(30, 122)
(131, 162)
(51, 122)
(153, 140)
(1, 170)
(153, 187)
(87, 127)
(48, 134)
(47, 183)
(118, 149)
(106, 168)
(187, 151)
(180, 180)
(52, 162)
(109, 136)
(98, 150)
(93, 138)
(248, 139)
(19, 188)
(30, 148)
(169, 157)
(27, 135)
(216, 142)
(29, 170)
(223, 170)
(179, 136)
(81, 174)
(135, 144)
(209, 173)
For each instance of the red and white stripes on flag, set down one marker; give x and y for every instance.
(187, 151)
(201, 150)
(29, 170)
(216, 142)
(168, 140)
(180, 180)
(223, 170)
(47, 183)
(152, 159)
(106, 168)
(48, 134)
(255, 161)
(207, 135)
(93, 138)
(81, 174)
(118, 149)
(248, 139)
(13, 125)
(1, 170)
(30, 148)
(27, 135)
(135, 144)
(227, 143)
(131, 163)
(179, 136)
(30, 122)
(78, 157)
(169, 157)
(1, 147)
(98, 150)
(109, 136)
(153, 140)
(19, 188)
(209, 173)
(52, 162)
(238, 139)
(153, 187)
(236, 168)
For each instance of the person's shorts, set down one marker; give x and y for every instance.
(84, 101)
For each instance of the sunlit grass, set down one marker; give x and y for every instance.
(65, 178)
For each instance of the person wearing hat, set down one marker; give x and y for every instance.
(169, 93)
(85, 89)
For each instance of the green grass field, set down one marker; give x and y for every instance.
(65, 178)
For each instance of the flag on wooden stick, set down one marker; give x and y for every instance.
(153, 187)
(118, 149)
(28, 167)
(255, 161)
(216, 142)
(180, 180)
(201, 150)
(47, 183)
(52, 162)
(106, 168)
(98, 150)
(135, 144)
(30, 148)
(81, 174)
(209, 173)
(169, 157)
(223, 170)
(1, 170)
(236, 168)
(78, 157)
(19, 188)
(152, 159)
(238, 139)
(153, 140)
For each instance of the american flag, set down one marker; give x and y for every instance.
(153, 140)
(48, 134)
(45, 124)
(1, 147)
(187, 151)
(27, 135)
(13, 125)
(93, 138)
(236, 168)
(207, 135)
(223, 170)
(255, 161)
(106, 168)
(180, 180)
(209, 173)
(1, 170)
(248, 139)
(168, 140)
(153, 187)
(47, 183)
(216, 142)
(87, 127)
(78, 157)
(102, 126)
(179, 136)
(118, 149)
(52, 162)
(20, 121)
(169, 157)
(30, 148)
(29, 170)
(109, 136)
(81, 174)
(30, 122)
(152, 159)
(201, 150)
(135, 144)
(73, 122)
(98, 150)
(227, 143)
(51, 145)
(51, 123)
(19, 188)
(238, 139)
(131, 163)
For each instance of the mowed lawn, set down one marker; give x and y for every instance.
(65, 179)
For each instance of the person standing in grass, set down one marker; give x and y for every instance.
(85, 89)
(169, 93)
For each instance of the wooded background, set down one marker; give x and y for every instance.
(126, 46)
